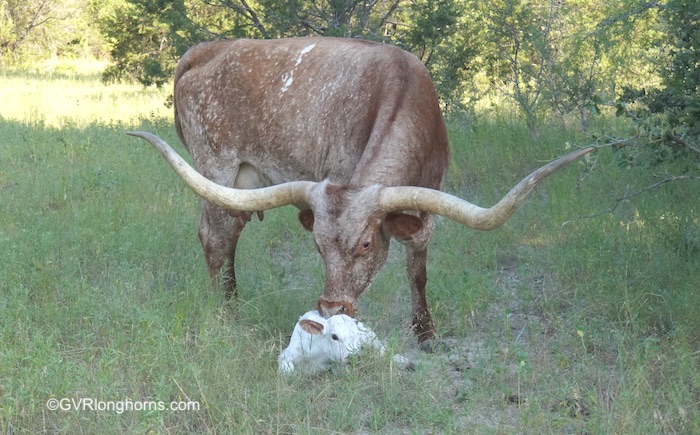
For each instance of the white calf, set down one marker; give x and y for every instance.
(318, 342)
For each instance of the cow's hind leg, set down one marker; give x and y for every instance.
(219, 231)
(417, 277)
(422, 321)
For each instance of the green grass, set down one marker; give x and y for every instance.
(560, 324)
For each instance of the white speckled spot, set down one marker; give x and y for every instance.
(288, 79)
(304, 50)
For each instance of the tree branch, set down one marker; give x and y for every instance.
(242, 9)
(680, 141)
(390, 11)
(37, 20)
(623, 16)
(666, 179)
(254, 18)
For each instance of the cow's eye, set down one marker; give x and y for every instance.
(363, 247)
(335, 337)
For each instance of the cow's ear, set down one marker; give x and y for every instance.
(306, 217)
(311, 327)
(402, 225)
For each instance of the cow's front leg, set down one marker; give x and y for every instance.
(219, 231)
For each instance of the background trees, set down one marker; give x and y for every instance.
(37, 29)
(616, 295)
(553, 59)
(667, 117)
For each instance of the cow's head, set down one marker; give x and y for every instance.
(352, 234)
(352, 226)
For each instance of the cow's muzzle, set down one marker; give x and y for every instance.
(329, 308)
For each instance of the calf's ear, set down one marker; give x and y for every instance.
(306, 217)
(402, 225)
(311, 327)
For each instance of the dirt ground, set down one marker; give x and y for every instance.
(503, 384)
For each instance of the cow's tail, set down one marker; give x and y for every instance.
(195, 57)
(183, 66)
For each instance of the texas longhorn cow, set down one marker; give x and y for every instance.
(347, 130)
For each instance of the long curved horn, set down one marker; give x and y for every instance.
(436, 202)
(265, 198)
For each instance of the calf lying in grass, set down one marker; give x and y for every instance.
(318, 342)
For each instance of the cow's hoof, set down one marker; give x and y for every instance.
(404, 363)
(434, 346)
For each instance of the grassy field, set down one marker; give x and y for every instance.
(557, 322)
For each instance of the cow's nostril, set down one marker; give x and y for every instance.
(331, 308)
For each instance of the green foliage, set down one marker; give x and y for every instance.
(146, 38)
(557, 58)
(157, 33)
(567, 324)
(140, 41)
(439, 33)
(33, 30)
(520, 35)
(683, 25)
(550, 58)
(559, 324)
(343, 18)
(667, 119)
(432, 21)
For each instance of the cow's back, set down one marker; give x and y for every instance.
(312, 108)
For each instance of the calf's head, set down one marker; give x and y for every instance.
(317, 342)
(352, 234)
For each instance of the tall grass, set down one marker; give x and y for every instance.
(559, 323)
(64, 97)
